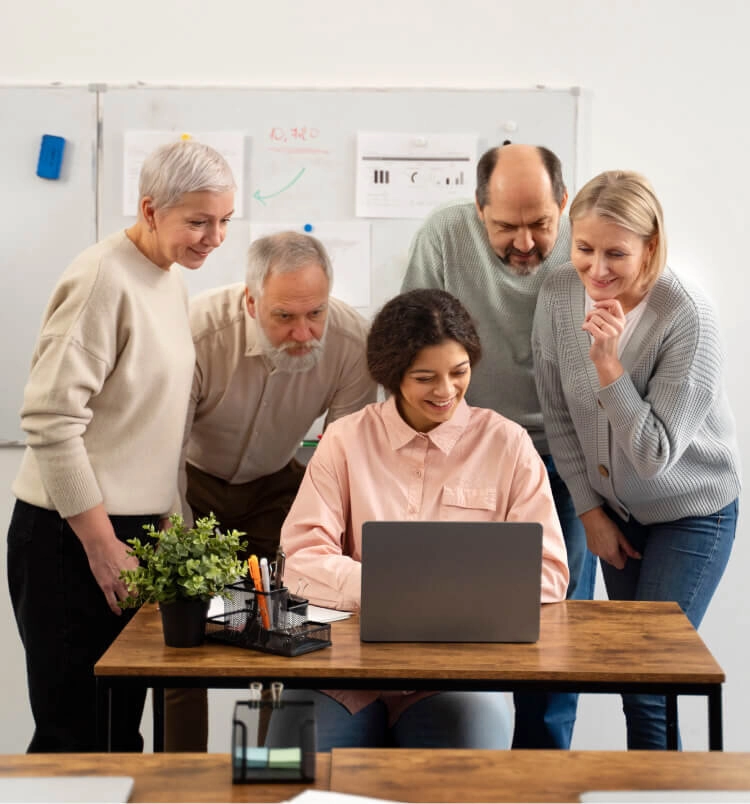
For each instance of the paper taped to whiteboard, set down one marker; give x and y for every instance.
(408, 175)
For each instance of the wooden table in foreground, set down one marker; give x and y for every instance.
(408, 775)
(444, 775)
(584, 646)
(165, 777)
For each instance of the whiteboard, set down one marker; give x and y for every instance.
(326, 191)
(44, 224)
(47, 223)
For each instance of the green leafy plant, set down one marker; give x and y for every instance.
(181, 562)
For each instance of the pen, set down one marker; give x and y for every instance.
(252, 563)
(266, 578)
(278, 574)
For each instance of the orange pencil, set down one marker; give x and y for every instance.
(254, 568)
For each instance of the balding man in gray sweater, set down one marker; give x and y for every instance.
(493, 254)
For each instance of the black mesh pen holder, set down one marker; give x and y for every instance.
(273, 742)
(262, 621)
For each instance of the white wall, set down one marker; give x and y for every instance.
(668, 82)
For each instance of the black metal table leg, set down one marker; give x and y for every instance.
(715, 726)
(103, 715)
(672, 730)
(157, 700)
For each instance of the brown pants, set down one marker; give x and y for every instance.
(258, 508)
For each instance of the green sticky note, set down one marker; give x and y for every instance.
(284, 757)
(254, 757)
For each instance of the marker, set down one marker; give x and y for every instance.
(252, 563)
(265, 575)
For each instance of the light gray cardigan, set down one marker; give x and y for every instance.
(658, 443)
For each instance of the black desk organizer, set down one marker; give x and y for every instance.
(290, 632)
(273, 742)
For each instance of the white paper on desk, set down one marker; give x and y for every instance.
(326, 797)
(320, 615)
(216, 606)
(139, 144)
(402, 175)
(317, 614)
(348, 246)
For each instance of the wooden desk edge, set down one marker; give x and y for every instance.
(442, 775)
(167, 777)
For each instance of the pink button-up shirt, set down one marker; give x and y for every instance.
(371, 465)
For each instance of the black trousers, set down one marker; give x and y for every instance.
(257, 508)
(65, 626)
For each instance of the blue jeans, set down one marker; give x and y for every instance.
(682, 561)
(546, 720)
(444, 720)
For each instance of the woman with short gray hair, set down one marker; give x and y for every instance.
(104, 412)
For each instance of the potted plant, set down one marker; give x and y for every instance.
(181, 569)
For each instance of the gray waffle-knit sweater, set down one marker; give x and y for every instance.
(658, 443)
(451, 252)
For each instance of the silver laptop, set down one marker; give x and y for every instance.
(451, 581)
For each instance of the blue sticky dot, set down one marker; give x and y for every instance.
(308, 227)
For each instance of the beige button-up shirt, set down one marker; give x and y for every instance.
(246, 419)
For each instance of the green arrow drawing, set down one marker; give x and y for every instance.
(262, 198)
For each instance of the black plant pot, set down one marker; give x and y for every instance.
(184, 622)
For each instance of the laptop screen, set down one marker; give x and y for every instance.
(451, 581)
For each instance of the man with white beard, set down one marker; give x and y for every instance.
(272, 355)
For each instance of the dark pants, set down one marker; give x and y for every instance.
(258, 508)
(65, 626)
(546, 720)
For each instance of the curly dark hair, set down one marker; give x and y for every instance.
(410, 322)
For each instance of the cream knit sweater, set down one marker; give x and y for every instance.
(104, 408)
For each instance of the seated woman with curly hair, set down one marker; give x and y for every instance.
(424, 454)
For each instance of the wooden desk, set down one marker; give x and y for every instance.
(584, 646)
(165, 777)
(441, 775)
(409, 775)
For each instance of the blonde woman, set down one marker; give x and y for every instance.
(629, 370)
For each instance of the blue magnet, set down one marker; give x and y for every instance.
(308, 227)
(50, 157)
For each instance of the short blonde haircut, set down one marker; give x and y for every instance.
(627, 199)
